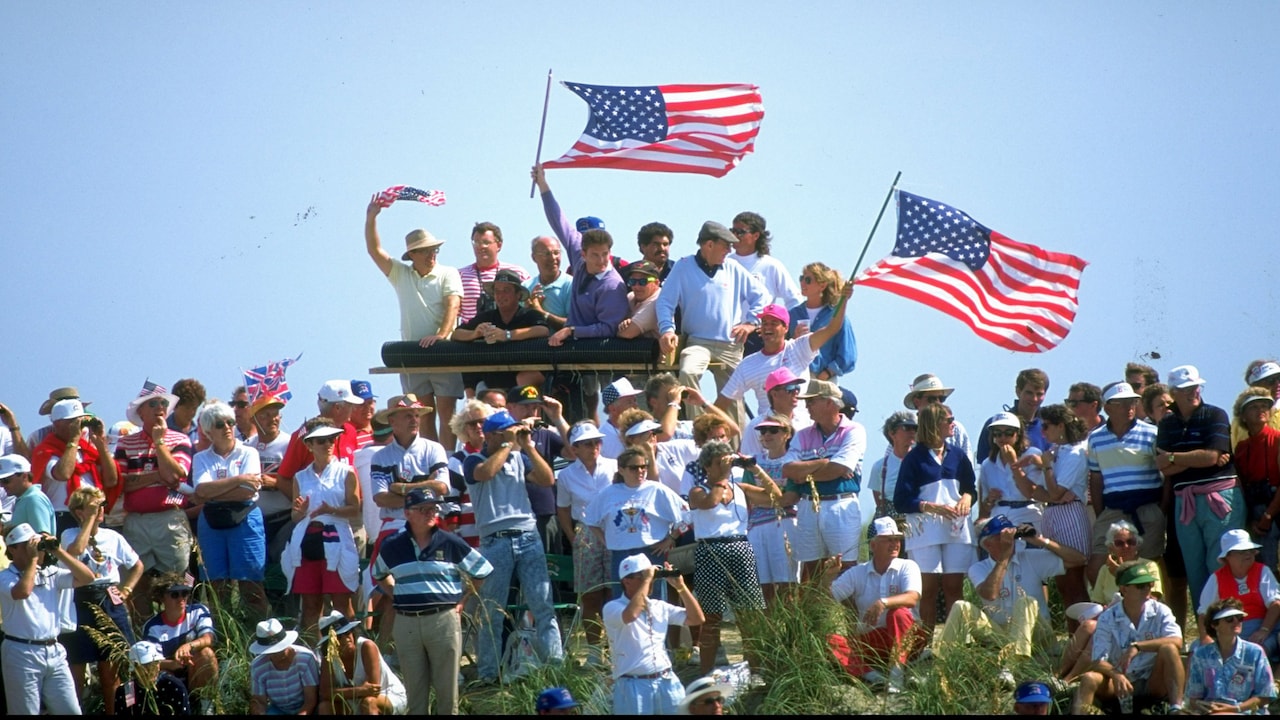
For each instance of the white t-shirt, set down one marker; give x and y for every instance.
(722, 520)
(208, 465)
(610, 445)
(270, 455)
(576, 487)
(116, 554)
(1028, 570)
(995, 475)
(636, 518)
(755, 368)
(671, 457)
(772, 274)
(1071, 468)
(639, 647)
(862, 583)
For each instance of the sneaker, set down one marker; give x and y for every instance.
(1006, 679)
(896, 680)
(695, 656)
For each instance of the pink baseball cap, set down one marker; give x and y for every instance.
(777, 312)
(781, 376)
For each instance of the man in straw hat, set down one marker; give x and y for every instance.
(430, 295)
(885, 593)
(154, 464)
(285, 676)
(1136, 648)
(46, 407)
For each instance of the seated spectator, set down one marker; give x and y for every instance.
(1123, 542)
(1135, 648)
(154, 692)
(184, 632)
(116, 570)
(508, 321)
(1077, 658)
(1032, 698)
(284, 676)
(1010, 584)
(233, 542)
(644, 280)
(1230, 675)
(556, 701)
(884, 592)
(705, 696)
(1254, 584)
(354, 679)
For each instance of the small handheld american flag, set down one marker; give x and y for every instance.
(404, 192)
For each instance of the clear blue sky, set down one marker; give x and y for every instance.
(185, 183)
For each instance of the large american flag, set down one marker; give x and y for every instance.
(702, 129)
(269, 380)
(404, 192)
(1018, 296)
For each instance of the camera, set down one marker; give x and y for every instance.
(48, 544)
(665, 573)
(1025, 530)
(744, 462)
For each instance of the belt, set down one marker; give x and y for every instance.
(1065, 502)
(650, 676)
(432, 610)
(729, 539)
(838, 496)
(507, 533)
(24, 641)
(1015, 503)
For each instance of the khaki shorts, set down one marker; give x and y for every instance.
(444, 384)
(161, 539)
(1153, 525)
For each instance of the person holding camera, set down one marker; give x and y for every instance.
(32, 594)
(66, 459)
(509, 539)
(643, 681)
(725, 565)
(1011, 585)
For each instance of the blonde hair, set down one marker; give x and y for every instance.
(84, 497)
(829, 278)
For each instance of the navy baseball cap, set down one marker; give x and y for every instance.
(556, 698)
(848, 398)
(590, 222)
(1033, 692)
(995, 526)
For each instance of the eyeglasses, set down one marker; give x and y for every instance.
(1131, 542)
(1232, 619)
(770, 430)
(640, 281)
(948, 420)
(714, 700)
(997, 433)
(1076, 401)
(475, 423)
(239, 404)
(739, 232)
(153, 404)
(179, 594)
(637, 468)
(223, 424)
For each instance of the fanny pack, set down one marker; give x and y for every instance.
(226, 515)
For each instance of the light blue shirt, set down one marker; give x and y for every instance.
(1243, 674)
(712, 305)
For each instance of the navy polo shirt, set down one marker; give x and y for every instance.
(1208, 428)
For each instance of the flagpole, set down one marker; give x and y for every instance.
(874, 226)
(537, 157)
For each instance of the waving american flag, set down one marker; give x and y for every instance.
(404, 192)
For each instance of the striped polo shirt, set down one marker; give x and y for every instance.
(1127, 463)
(196, 622)
(432, 575)
(1208, 428)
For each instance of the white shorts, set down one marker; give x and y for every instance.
(944, 559)
(835, 530)
(775, 562)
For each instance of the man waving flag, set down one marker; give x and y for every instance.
(702, 129)
(1015, 295)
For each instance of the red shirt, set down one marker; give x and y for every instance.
(297, 456)
(1257, 458)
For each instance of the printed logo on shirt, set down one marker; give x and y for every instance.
(631, 519)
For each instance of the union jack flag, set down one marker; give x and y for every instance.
(269, 380)
(404, 192)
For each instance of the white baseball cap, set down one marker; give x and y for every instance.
(584, 431)
(19, 534)
(633, 564)
(1265, 370)
(339, 391)
(885, 527)
(1184, 376)
(1005, 419)
(67, 410)
(145, 652)
(1119, 391)
(642, 427)
(12, 465)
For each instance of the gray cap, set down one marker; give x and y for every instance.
(712, 230)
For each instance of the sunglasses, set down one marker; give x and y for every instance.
(931, 399)
(789, 389)
(637, 468)
(1233, 619)
(949, 420)
(996, 433)
(475, 423)
(223, 424)
(808, 279)
(179, 594)
(739, 232)
(717, 700)
(239, 404)
(1131, 542)
(770, 430)
(153, 404)
(322, 441)
(640, 281)
(1077, 401)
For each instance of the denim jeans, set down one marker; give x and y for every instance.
(523, 555)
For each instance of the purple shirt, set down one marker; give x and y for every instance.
(596, 303)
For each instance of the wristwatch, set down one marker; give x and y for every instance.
(508, 335)
(1171, 459)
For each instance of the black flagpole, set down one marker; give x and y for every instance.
(874, 226)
